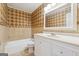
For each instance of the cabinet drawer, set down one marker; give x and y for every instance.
(75, 53)
(67, 52)
(60, 51)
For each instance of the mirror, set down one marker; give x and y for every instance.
(59, 15)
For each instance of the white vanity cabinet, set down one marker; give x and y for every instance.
(45, 46)
(58, 49)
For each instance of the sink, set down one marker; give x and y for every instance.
(51, 34)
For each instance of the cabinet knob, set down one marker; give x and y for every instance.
(61, 52)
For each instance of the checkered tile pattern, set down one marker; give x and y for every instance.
(17, 18)
(38, 17)
(3, 14)
(38, 20)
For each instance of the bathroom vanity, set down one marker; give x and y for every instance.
(60, 17)
(56, 45)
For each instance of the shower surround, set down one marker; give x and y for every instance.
(19, 23)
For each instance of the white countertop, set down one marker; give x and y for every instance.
(64, 38)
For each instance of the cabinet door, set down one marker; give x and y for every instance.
(45, 48)
(59, 50)
(67, 52)
(75, 53)
(42, 47)
(37, 51)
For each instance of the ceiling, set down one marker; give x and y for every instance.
(28, 7)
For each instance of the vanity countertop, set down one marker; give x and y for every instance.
(64, 38)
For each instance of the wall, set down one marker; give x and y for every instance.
(3, 26)
(19, 23)
(37, 20)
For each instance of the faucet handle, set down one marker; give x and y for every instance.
(53, 34)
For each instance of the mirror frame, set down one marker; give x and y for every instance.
(74, 18)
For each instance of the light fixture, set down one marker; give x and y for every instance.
(53, 4)
(49, 6)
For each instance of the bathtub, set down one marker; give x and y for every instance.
(14, 47)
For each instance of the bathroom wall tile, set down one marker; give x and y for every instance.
(3, 26)
(19, 23)
(37, 20)
(18, 18)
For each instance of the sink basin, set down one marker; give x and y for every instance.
(51, 34)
